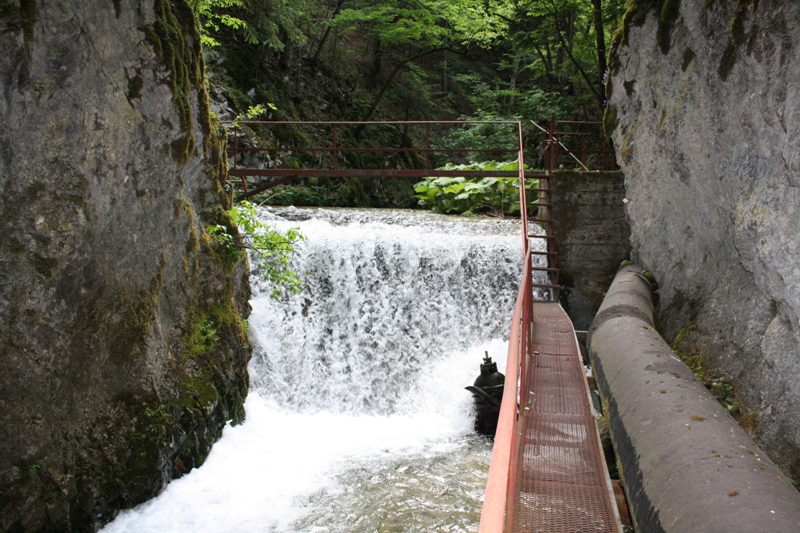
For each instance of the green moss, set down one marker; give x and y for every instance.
(27, 9)
(688, 57)
(216, 328)
(738, 36)
(740, 14)
(634, 16)
(16, 246)
(202, 339)
(176, 41)
(667, 16)
(131, 333)
(153, 423)
(727, 62)
(609, 120)
(629, 86)
(44, 265)
(135, 85)
(721, 387)
(198, 393)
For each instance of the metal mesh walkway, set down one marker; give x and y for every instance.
(561, 483)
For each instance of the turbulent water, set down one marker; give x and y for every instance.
(357, 419)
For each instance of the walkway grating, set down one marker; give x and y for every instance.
(561, 480)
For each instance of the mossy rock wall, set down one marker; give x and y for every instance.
(705, 99)
(110, 169)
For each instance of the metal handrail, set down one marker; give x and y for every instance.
(496, 512)
(335, 149)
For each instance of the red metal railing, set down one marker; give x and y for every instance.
(497, 504)
(502, 473)
(502, 503)
(577, 142)
(335, 157)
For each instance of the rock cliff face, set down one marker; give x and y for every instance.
(122, 347)
(705, 106)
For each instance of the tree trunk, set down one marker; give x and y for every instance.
(601, 48)
(326, 33)
(377, 62)
(395, 71)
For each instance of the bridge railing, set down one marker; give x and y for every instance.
(496, 513)
(501, 481)
(374, 149)
(577, 143)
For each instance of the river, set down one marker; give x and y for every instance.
(357, 417)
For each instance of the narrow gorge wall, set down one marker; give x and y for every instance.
(705, 103)
(122, 347)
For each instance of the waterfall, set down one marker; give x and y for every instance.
(384, 299)
(357, 419)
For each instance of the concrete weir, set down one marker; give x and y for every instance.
(686, 463)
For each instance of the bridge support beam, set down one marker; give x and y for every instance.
(686, 463)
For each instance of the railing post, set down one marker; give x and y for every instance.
(428, 144)
(551, 163)
(235, 152)
(523, 197)
(334, 149)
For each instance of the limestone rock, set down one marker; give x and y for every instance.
(122, 351)
(705, 98)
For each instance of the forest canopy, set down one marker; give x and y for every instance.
(366, 60)
(414, 58)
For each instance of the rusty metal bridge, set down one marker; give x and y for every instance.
(548, 472)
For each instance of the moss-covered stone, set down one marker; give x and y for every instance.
(132, 332)
(27, 9)
(635, 15)
(688, 57)
(667, 16)
(727, 62)
(176, 41)
(609, 120)
(90, 305)
(44, 265)
(723, 388)
(738, 36)
(629, 87)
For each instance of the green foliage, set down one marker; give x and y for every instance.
(720, 387)
(215, 14)
(462, 195)
(277, 24)
(203, 338)
(272, 249)
(254, 112)
(397, 23)
(421, 60)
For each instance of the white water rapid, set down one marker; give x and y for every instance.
(357, 418)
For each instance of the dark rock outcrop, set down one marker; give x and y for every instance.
(704, 105)
(122, 346)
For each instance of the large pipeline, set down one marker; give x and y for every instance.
(687, 465)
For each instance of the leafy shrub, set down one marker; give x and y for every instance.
(499, 196)
(272, 249)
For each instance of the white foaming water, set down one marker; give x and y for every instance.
(357, 419)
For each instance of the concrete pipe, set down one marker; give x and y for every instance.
(687, 465)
